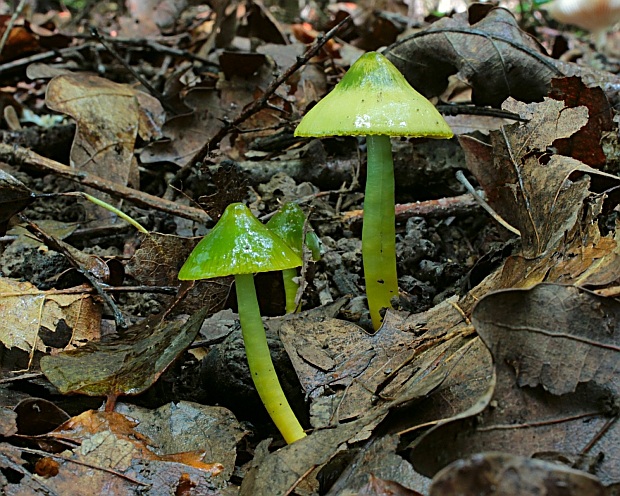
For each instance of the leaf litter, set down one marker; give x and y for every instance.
(452, 374)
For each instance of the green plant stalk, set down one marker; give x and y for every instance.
(259, 360)
(290, 289)
(379, 228)
(116, 211)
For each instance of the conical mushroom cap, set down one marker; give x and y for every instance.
(238, 244)
(289, 223)
(373, 97)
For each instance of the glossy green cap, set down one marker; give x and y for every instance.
(238, 244)
(288, 223)
(373, 97)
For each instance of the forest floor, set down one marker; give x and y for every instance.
(496, 366)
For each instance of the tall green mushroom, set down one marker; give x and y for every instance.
(290, 224)
(373, 99)
(240, 245)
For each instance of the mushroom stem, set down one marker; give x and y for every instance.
(259, 361)
(379, 228)
(290, 289)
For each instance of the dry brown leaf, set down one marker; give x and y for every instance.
(502, 474)
(107, 123)
(555, 350)
(190, 428)
(127, 364)
(157, 263)
(185, 134)
(116, 459)
(491, 53)
(486, 49)
(348, 372)
(44, 320)
(532, 189)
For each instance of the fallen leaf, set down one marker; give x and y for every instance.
(486, 49)
(157, 263)
(533, 189)
(186, 427)
(125, 365)
(107, 123)
(43, 320)
(555, 350)
(501, 474)
(346, 371)
(116, 459)
(585, 144)
(492, 54)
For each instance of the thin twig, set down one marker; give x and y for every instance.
(40, 57)
(468, 186)
(259, 103)
(441, 206)
(20, 155)
(9, 27)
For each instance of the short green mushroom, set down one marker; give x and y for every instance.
(373, 99)
(240, 245)
(289, 223)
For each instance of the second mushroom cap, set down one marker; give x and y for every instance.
(374, 98)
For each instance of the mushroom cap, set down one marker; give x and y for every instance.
(289, 223)
(238, 244)
(373, 97)
(592, 15)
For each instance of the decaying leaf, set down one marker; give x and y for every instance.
(107, 123)
(124, 365)
(185, 427)
(534, 190)
(44, 320)
(492, 54)
(109, 445)
(346, 371)
(185, 134)
(585, 144)
(555, 350)
(109, 117)
(486, 49)
(500, 474)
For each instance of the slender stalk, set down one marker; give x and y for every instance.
(379, 228)
(259, 361)
(290, 289)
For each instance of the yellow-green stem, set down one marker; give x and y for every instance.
(379, 228)
(290, 289)
(259, 361)
(116, 211)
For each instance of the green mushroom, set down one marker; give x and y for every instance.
(373, 99)
(289, 223)
(240, 245)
